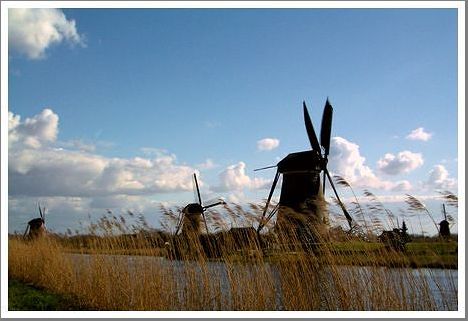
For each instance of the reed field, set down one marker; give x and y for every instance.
(111, 269)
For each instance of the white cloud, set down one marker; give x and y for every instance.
(402, 163)
(35, 131)
(439, 178)
(402, 186)
(267, 144)
(419, 134)
(39, 169)
(208, 164)
(233, 178)
(32, 31)
(79, 145)
(345, 160)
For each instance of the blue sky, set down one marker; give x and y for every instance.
(135, 93)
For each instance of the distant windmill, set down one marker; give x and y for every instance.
(36, 227)
(193, 213)
(444, 230)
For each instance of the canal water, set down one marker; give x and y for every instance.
(439, 284)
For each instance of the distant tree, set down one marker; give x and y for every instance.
(404, 229)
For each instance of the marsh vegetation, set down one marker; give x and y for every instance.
(119, 265)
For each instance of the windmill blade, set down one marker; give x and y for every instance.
(314, 143)
(179, 224)
(275, 181)
(325, 134)
(343, 208)
(204, 220)
(43, 214)
(26, 231)
(326, 127)
(40, 211)
(260, 169)
(324, 182)
(273, 212)
(214, 204)
(198, 190)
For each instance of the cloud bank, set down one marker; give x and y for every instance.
(38, 168)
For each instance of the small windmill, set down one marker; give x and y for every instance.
(193, 213)
(444, 229)
(301, 189)
(36, 227)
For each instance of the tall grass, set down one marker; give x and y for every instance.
(277, 273)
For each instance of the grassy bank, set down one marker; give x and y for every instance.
(441, 255)
(24, 297)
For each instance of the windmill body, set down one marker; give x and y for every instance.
(36, 227)
(444, 230)
(301, 178)
(301, 189)
(192, 217)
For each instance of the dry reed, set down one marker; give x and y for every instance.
(283, 274)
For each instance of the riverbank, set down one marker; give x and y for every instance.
(26, 297)
(440, 255)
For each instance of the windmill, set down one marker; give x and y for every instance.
(301, 190)
(193, 213)
(36, 227)
(444, 229)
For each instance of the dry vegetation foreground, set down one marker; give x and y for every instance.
(294, 281)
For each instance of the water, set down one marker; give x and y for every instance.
(417, 284)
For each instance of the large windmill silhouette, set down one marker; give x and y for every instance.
(302, 189)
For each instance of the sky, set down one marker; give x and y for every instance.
(115, 109)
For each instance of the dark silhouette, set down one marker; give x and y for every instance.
(191, 243)
(36, 227)
(300, 208)
(193, 213)
(396, 239)
(444, 230)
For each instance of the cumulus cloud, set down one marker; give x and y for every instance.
(35, 131)
(32, 31)
(345, 160)
(439, 178)
(402, 163)
(267, 144)
(419, 134)
(233, 178)
(40, 169)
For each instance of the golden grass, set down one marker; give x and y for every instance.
(295, 279)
